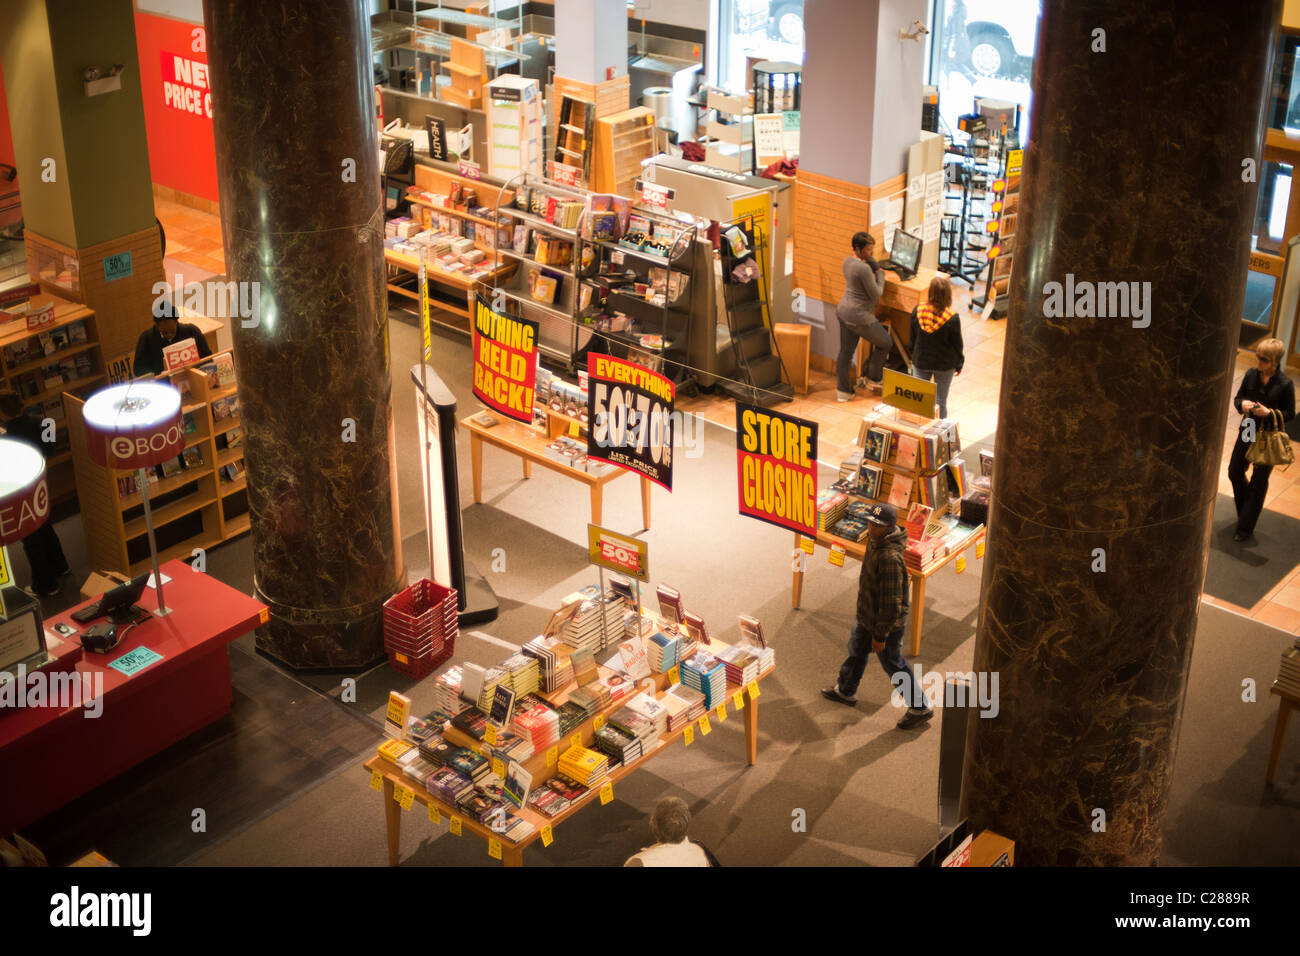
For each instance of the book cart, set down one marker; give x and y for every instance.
(400, 792)
(530, 443)
(954, 547)
(203, 503)
(41, 364)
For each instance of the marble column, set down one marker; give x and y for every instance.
(302, 216)
(1110, 429)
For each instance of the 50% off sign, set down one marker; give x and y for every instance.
(631, 411)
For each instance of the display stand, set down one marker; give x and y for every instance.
(515, 115)
(1287, 702)
(41, 364)
(511, 852)
(623, 141)
(202, 505)
(731, 145)
(467, 69)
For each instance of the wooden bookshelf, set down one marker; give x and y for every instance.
(467, 70)
(623, 140)
(574, 133)
(190, 508)
(22, 361)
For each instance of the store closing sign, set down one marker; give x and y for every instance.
(505, 362)
(631, 411)
(185, 84)
(776, 463)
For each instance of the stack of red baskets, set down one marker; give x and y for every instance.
(420, 627)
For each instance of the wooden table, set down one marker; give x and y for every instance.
(858, 549)
(530, 444)
(1287, 702)
(512, 853)
(461, 285)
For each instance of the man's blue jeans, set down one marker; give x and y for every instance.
(891, 659)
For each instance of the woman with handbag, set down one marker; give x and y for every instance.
(1266, 400)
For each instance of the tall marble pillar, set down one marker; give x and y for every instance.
(1110, 429)
(302, 216)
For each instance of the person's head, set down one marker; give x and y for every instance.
(1268, 355)
(670, 820)
(864, 244)
(11, 405)
(881, 521)
(940, 294)
(166, 319)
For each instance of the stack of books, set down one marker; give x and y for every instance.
(471, 721)
(635, 725)
(705, 673)
(647, 706)
(556, 670)
(849, 466)
(583, 766)
(446, 691)
(741, 663)
(440, 753)
(830, 508)
(1288, 675)
(621, 747)
(690, 698)
(491, 677)
(523, 674)
(590, 698)
(469, 765)
(616, 687)
(537, 721)
(670, 604)
(921, 552)
(448, 786)
(555, 796)
(512, 746)
(582, 631)
(662, 652)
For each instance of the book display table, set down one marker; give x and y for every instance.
(172, 679)
(529, 444)
(857, 549)
(742, 701)
(1287, 702)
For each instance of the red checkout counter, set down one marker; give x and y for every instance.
(50, 756)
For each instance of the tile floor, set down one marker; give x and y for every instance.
(194, 237)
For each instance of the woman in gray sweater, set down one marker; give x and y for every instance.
(864, 280)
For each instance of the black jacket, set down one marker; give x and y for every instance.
(940, 350)
(149, 349)
(1279, 394)
(883, 585)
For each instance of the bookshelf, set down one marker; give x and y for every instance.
(623, 141)
(201, 504)
(467, 72)
(42, 364)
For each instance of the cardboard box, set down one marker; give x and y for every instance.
(101, 582)
(992, 849)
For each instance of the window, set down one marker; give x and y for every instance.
(756, 30)
(982, 48)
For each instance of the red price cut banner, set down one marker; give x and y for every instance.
(505, 362)
(776, 468)
(630, 409)
(625, 559)
(185, 84)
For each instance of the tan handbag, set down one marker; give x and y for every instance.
(1271, 448)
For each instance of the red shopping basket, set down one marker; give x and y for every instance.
(420, 628)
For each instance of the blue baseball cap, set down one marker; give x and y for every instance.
(883, 515)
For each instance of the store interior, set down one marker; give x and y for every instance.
(281, 777)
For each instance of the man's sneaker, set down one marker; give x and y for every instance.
(874, 386)
(48, 590)
(842, 396)
(914, 717)
(833, 693)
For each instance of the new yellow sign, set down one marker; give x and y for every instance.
(911, 394)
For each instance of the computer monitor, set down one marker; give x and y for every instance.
(906, 251)
(122, 596)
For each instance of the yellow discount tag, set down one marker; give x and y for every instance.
(455, 825)
(806, 544)
(689, 735)
(263, 616)
(548, 835)
(753, 690)
(979, 548)
(376, 780)
(598, 722)
(722, 712)
(836, 556)
(573, 429)
(576, 740)
(606, 793)
(961, 563)
(738, 700)
(498, 767)
(435, 816)
(490, 735)
(494, 848)
(704, 724)
(553, 756)
(403, 796)
(675, 675)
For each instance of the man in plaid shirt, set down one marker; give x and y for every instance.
(881, 619)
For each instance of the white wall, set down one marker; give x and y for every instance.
(681, 13)
(899, 65)
(191, 11)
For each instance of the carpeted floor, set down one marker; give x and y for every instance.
(1244, 572)
(281, 778)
